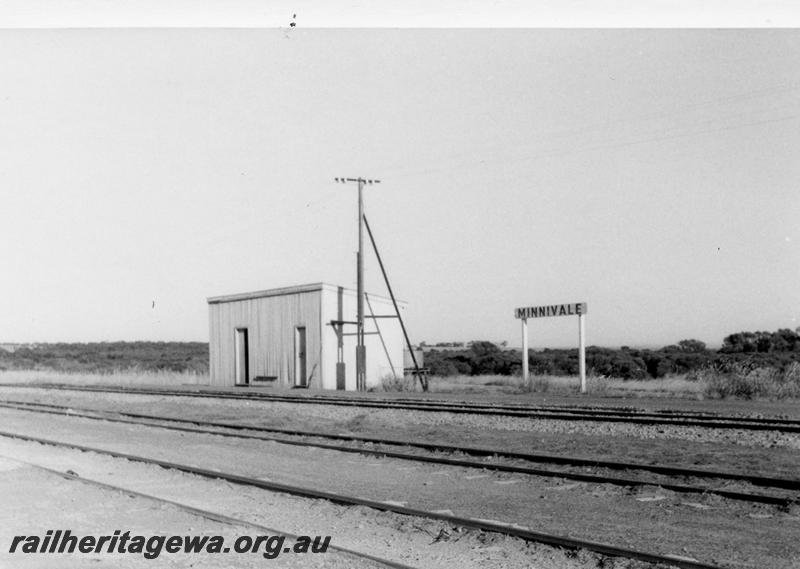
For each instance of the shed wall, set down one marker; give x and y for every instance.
(271, 323)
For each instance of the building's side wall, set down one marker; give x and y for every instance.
(338, 305)
(270, 323)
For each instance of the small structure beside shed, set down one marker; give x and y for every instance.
(301, 336)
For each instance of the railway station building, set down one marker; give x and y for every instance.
(302, 336)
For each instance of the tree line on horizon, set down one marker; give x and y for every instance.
(107, 357)
(765, 349)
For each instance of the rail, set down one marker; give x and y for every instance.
(485, 525)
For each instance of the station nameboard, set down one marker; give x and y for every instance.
(572, 309)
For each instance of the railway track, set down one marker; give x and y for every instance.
(622, 415)
(789, 487)
(199, 512)
(458, 521)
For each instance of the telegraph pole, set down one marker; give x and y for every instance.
(361, 351)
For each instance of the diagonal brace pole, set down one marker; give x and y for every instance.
(422, 380)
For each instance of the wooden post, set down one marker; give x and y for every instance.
(582, 350)
(361, 355)
(361, 350)
(524, 351)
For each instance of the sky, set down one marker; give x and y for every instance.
(651, 173)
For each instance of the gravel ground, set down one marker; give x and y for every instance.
(767, 453)
(39, 501)
(642, 401)
(342, 414)
(35, 501)
(703, 527)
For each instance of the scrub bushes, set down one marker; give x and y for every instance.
(747, 380)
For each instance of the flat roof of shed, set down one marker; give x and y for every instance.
(288, 290)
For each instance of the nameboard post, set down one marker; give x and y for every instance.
(524, 351)
(578, 309)
(582, 349)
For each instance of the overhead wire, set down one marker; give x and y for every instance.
(482, 158)
(225, 236)
(479, 158)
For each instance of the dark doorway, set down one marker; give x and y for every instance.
(300, 376)
(242, 357)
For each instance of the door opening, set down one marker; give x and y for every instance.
(300, 377)
(242, 371)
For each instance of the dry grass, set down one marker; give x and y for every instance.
(560, 385)
(390, 383)
(741, 380)
(738, 383)
(120, 378)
